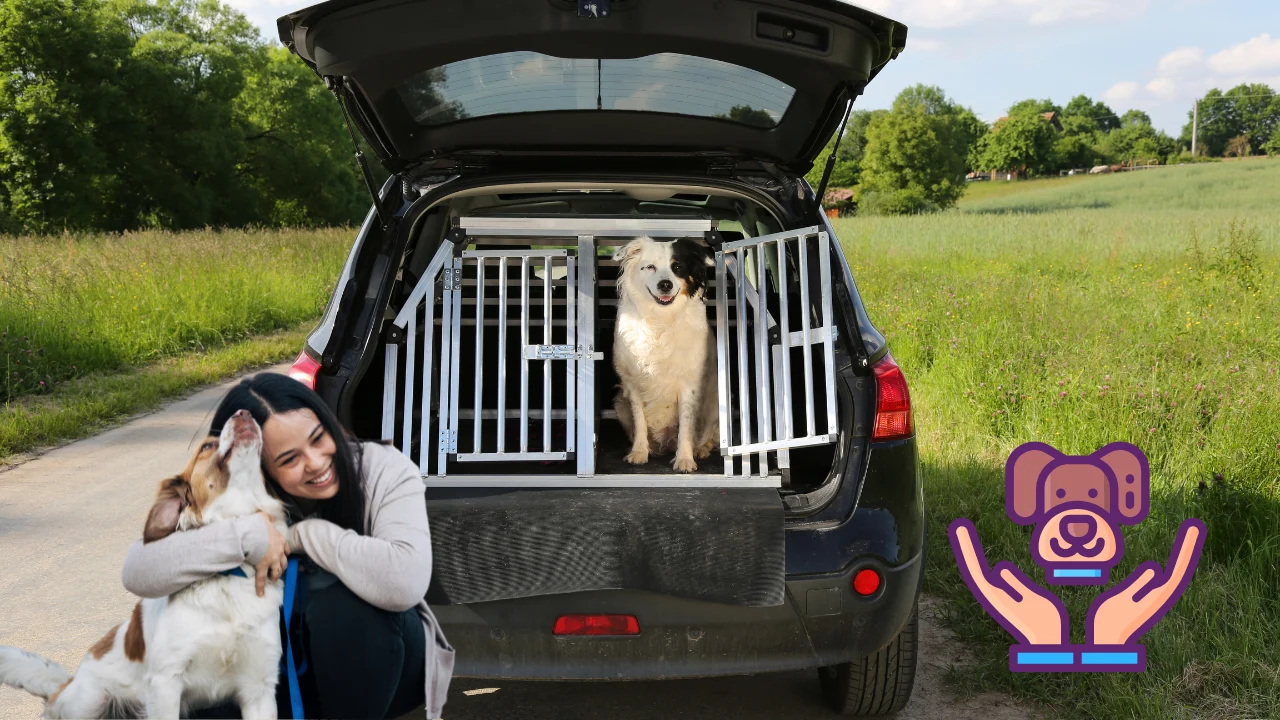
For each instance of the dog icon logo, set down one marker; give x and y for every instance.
(1077, 504)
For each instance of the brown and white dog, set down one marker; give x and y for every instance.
(663, 352)
(211, 642)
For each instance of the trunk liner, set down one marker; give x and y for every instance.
(718, 545)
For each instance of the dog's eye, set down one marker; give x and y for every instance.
(675, 268)
(649, 267)
(208, 446)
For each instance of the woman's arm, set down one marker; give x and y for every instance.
(161, 568)
(390, 567)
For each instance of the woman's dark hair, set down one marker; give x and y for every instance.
(266, 394)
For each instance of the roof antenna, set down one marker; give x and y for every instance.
(337, 85)
(831, 159)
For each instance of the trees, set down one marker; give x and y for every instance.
(1033, 106)
(1098, 114)
(916, 154)
(120, 114)
(1022, 142)
(1251, 110)
(848, 165)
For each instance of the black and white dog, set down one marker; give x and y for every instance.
(662, 350)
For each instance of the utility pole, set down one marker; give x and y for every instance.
(1195, 126)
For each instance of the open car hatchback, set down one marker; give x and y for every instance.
(472, 328)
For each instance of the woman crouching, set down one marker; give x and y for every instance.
(369, 645)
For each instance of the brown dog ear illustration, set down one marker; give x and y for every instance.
(173, 498)
(1133, 479)
(1021, 478)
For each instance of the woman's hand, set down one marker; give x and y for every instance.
(274, 562)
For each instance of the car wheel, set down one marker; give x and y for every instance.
(878, 684)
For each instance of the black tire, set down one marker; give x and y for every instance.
(879, 684)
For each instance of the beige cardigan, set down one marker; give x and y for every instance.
(389, 567)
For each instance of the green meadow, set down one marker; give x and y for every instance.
(85, 317)
(1142, 307)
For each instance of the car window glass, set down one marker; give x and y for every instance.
(522, 82)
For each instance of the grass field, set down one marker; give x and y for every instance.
(1142, 308)
(73, 305)
(96, 327)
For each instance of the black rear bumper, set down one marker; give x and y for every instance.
(822, 622)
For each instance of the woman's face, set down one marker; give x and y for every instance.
(299, 454)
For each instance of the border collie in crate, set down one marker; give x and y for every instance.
(663, 351)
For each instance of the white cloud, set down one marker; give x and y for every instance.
(920, 44)
(1185, 73)
(959, 13)
(1121, 92)
(1163, 88)
(1180, 59)
(1259, 55)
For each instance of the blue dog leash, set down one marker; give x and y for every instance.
(292, 592)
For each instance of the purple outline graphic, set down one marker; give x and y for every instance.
(1117, 617)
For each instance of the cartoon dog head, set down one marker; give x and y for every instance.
(664, 273)
(1077, 503)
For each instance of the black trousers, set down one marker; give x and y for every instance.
(361, 661)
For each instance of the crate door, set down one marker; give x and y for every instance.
(775, 340)
(510, 355)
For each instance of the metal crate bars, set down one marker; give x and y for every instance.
(759, 418)
(545, 279)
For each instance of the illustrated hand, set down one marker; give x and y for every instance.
(273, 563)
(1032, 614)
(1131, 608)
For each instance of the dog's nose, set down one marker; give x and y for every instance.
(664, 286)
(240, 414)
(1080, 527)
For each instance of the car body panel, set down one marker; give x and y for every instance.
(373, 47)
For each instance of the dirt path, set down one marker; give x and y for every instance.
(68, 516)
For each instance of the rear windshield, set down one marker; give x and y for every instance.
(523, 82)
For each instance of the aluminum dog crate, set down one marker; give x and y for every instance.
(522, 294)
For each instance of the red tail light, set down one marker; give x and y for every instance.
(866, 582)
(597, 625)
(304, 370)
(893, 402)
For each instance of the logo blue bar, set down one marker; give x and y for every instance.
(1046, 658)
(1077, 573)
(1109, 658)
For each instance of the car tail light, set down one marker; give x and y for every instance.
(866, 582)
(597, 625)
(304, 370)
(893, 402)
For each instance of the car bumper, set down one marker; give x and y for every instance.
(822, 622)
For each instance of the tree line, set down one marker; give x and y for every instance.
(915, 156)
(126, 114)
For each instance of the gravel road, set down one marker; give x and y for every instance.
(68, 516)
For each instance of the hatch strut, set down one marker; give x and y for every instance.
(336, 84)
(831, 159)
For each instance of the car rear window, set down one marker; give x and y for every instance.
(525, 82)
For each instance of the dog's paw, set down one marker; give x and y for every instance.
(637, 457)
(704, 450)
(684, 464)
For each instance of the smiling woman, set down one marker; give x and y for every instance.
(372, 648)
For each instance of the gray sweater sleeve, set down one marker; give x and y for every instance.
(390, 566)
(161, 568)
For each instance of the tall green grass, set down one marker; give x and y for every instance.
(1088, 326)
(1247, 186)
(79, 304)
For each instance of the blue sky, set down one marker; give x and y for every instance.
(1154, 55)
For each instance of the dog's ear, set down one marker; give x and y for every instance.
(173, 498)
(1133, 479)
(628, 251)
(1022, 474)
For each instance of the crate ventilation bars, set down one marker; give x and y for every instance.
(518, 297)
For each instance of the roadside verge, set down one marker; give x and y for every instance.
(91, 404)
